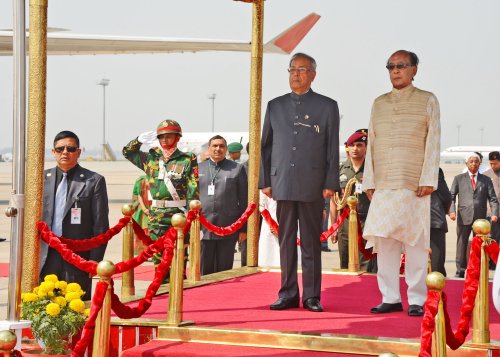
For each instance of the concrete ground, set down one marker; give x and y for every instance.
(120, 177)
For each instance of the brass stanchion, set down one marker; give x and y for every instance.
(436, 281)
(194, 244)
(352, 201)
(174, 317)
(481, 317)
(105, 270)
(8, 341)
(429, 262)
(128, 283)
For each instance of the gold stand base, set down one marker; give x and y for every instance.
(181, 324)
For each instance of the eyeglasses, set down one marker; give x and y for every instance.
(299, 69)
(60, 149)
(391, 66)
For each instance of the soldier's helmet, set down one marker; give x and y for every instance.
(168, 126)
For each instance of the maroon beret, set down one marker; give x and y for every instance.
(360, 135)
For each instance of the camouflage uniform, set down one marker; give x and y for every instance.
(346, 173)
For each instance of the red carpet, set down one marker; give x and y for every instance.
(4, 270)
(172, 349)
(244, 303)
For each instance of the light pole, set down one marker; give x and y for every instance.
(103, 82)
(458, 135)
(212, 98)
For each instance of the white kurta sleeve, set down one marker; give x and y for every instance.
(430, 167)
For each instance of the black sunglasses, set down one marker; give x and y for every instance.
(60, 149)
(391, 66)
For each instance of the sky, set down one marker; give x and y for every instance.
(456, 40)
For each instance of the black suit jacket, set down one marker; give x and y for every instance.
(440, 204)
(472, 203)
(88, 191)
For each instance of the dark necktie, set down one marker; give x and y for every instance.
(473, 181)
(59, 204)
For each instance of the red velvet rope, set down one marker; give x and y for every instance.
(94, 242)
(233, 228)
(428, 323)
(139, 232)
(492, 250)
(53, 241)
(191, 216)
(403, 264)
(147, 253)
(269, 220)
(88, 329)
(126, 312)
(340, 219)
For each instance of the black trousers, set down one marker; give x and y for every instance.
(438, 247)
(217, 254)
(55, 264)
(463, 234)
(308, 215)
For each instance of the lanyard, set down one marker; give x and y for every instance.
(212, 177)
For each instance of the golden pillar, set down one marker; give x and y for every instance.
(128, 284)
(36, 141)
(174, 317)
(436, 281)
(8, 342)
(254, 128)
(353, 266)
(194, 244)
(481, 315)
(105, 270)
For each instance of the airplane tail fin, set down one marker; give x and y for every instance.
(286, 41)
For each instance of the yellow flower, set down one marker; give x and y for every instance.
(61, 285)
(53, 309)
(59, 300)
(73, 287)
(35, 290)
(86, 312)
(46, 286)
(42, 294)
(77, 305)
(72, 296)
(51, 277)
(29, 297)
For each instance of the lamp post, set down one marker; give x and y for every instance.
(212, 98)
(103, 82)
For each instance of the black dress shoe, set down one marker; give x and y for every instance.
(415, 310)
(460, 274)
(283, 304)
(326, 250)
(384, 308)
(313, 304)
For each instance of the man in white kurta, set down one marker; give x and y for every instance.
(401, 171)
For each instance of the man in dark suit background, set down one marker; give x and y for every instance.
(440, 206)
(75, 206)
(299, 169)
(474, 190)
(224, 198)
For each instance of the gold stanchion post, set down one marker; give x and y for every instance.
(352, 201)
(174, 317)
(8, 341)
(436, 281)
(429, 262)
(105, 270)
(128, 283)
(194, 244)
(481, 315)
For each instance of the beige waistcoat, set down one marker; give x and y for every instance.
(404, 141)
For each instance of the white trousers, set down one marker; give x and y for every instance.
(389, 259)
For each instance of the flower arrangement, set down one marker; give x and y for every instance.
(56, 311)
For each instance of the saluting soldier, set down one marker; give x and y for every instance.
(352, 167)
(172, 175)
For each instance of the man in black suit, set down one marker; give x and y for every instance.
(440, 206)
(474, 191)
(300, 169)
(224, 198)
(75, 206)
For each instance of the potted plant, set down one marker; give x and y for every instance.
(57, 313)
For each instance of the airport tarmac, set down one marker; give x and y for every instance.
(120, 177)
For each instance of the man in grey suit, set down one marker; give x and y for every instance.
(224, 197)
(299, 169)
(75, 206)
(474, 190)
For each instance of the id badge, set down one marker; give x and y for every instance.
(211, 190)
(76, 216)
(359, 188)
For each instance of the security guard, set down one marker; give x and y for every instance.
(234, 150)
(172, 174)
(353, 166)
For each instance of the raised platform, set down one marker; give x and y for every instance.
(232, 308)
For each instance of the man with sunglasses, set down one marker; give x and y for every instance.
(404, 124)
(300, 169)
(75, 206)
